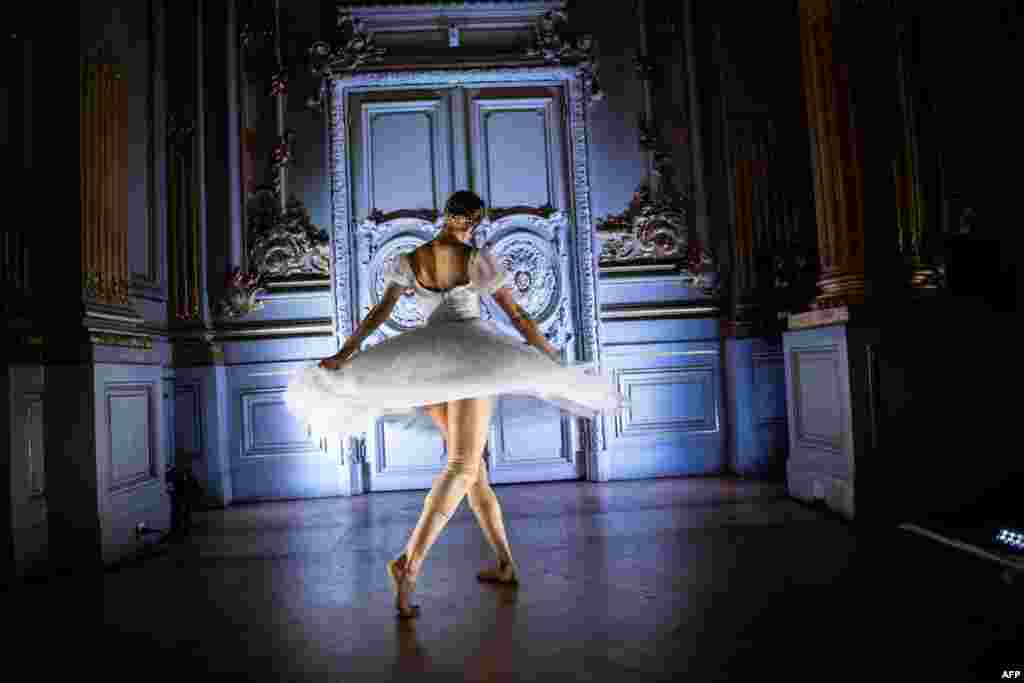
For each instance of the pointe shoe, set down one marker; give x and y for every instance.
(503, 573)
(403, 585)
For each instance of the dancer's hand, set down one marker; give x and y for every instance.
(334, 362)
(552, 353)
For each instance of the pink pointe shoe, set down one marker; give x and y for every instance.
(404, 585)
(505, 572)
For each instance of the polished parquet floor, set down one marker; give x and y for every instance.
(695, 579)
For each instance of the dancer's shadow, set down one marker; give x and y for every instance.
(490, 658)
(412, 656)
(495, 658)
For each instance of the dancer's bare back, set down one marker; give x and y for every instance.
(441, 264)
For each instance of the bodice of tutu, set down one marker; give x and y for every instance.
(461, 302)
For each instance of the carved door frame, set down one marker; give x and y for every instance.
(345, 226)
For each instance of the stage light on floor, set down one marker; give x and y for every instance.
(1012, 538)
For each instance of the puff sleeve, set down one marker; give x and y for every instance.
(399, 271)
(488, 273)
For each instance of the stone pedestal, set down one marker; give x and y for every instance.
(105, 455)
(828, 362)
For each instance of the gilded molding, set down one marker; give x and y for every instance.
(647, 312)
(113, 339)
(298, 328)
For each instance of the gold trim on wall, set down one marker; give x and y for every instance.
(103, 183)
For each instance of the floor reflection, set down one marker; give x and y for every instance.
(489, 657)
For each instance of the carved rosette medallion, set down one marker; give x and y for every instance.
(534, 252)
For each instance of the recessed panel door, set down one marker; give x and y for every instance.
(408, 151)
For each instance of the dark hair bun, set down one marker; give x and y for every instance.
(463, 203)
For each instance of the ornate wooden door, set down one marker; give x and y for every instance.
(408, 150)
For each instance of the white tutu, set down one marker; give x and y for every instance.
(455, 356)
(438, 363)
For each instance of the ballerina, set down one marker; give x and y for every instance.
(451, 368)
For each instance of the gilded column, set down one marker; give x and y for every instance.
(917, 167)
(836, 152)
(103, 185)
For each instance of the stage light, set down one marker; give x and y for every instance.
(1012, 538)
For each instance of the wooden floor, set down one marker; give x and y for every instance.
(673, 579)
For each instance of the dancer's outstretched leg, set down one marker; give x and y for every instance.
(468, 423)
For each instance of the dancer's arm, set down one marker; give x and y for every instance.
(521, 321)
(377, 316)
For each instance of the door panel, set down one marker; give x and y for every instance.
(407, 150)
(516, 147)
(401, 146)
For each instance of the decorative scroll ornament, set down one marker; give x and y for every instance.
(556, 45)
(351, 48)
(655, 229)
(240, 292)
(285, 244)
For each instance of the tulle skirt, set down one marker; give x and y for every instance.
(442, 361)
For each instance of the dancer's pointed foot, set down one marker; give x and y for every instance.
(404, 583)
(505, 572)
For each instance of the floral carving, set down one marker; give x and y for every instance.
(555, 44)
(655, 229)
(352, 47)
(240, 292)
(285, 244)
